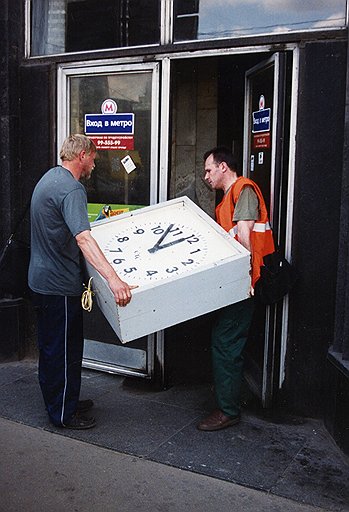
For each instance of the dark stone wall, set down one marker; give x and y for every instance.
(341, 337)
(38, 128)
(37, 153)
(319, 162)
(337, 404)
(11, 51)
(337, 407)
(25, 135)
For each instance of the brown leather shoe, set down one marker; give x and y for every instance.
(217, 420)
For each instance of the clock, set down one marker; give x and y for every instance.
(160, 243)
(183, 262)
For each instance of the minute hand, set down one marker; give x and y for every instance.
(166, 232)
(177, 241)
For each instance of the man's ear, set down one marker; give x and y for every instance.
(223, 166)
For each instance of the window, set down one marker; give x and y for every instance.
(59, 26)
(212, 19)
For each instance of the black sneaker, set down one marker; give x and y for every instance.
(79, 422)
(85, 405)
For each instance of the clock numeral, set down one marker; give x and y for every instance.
(176, 231)
(117, 261)
(170, 270)
(115, 250)
(151, 272)
(158, 230)
(193, 252)
(129, 270)
(193, 239)
(188, 262)
(138, 231)
(123, 239)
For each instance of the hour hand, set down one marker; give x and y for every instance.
(163, 236)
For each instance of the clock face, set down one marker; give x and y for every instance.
(153, 250)
(160, 242)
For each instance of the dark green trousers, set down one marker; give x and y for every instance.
(229, 336)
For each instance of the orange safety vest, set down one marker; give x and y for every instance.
(262, 242)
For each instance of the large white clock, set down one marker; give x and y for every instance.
(183, 262)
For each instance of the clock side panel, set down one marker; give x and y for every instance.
(169, 303)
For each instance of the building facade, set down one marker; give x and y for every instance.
(267, 79)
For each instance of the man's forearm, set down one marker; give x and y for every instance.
(93, 254)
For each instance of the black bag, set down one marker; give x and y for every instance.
(14, 264)
(278, 276)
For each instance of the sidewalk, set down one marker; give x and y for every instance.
(146, 452)
(44, 471)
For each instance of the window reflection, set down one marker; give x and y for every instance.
(212, 19)
(187, 19)
(60, 26)
(110, 183)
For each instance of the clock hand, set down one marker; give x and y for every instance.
(156, 246)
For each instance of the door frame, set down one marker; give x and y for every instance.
(278, 377)
(154, 344)
(273, 371)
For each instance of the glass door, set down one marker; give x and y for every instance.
(117, 107)
(265, 157)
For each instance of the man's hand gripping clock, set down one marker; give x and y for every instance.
(121, 290)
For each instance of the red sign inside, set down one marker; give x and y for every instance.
(261, 140)
(113, 142)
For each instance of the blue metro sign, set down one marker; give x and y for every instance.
(109, 124)
(261, 120)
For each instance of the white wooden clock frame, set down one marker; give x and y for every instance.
(178, 298)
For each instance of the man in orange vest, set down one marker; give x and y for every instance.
(242, 212)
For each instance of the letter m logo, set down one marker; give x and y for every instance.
(109, 107)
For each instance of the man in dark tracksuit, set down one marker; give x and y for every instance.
(60, 229)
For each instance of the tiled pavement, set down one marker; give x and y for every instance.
(296, 459)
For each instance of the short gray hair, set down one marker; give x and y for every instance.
(74, 144)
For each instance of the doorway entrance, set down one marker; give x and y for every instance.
(215, 101)
(204, 101)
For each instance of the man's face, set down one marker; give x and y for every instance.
(213, 173)
(88, 162)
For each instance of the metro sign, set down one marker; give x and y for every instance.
(261, 120)
(109, 124)
(109, 107)
(108, 142)
(261, 140)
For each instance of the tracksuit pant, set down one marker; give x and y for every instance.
(60, 340)
(229, 336)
